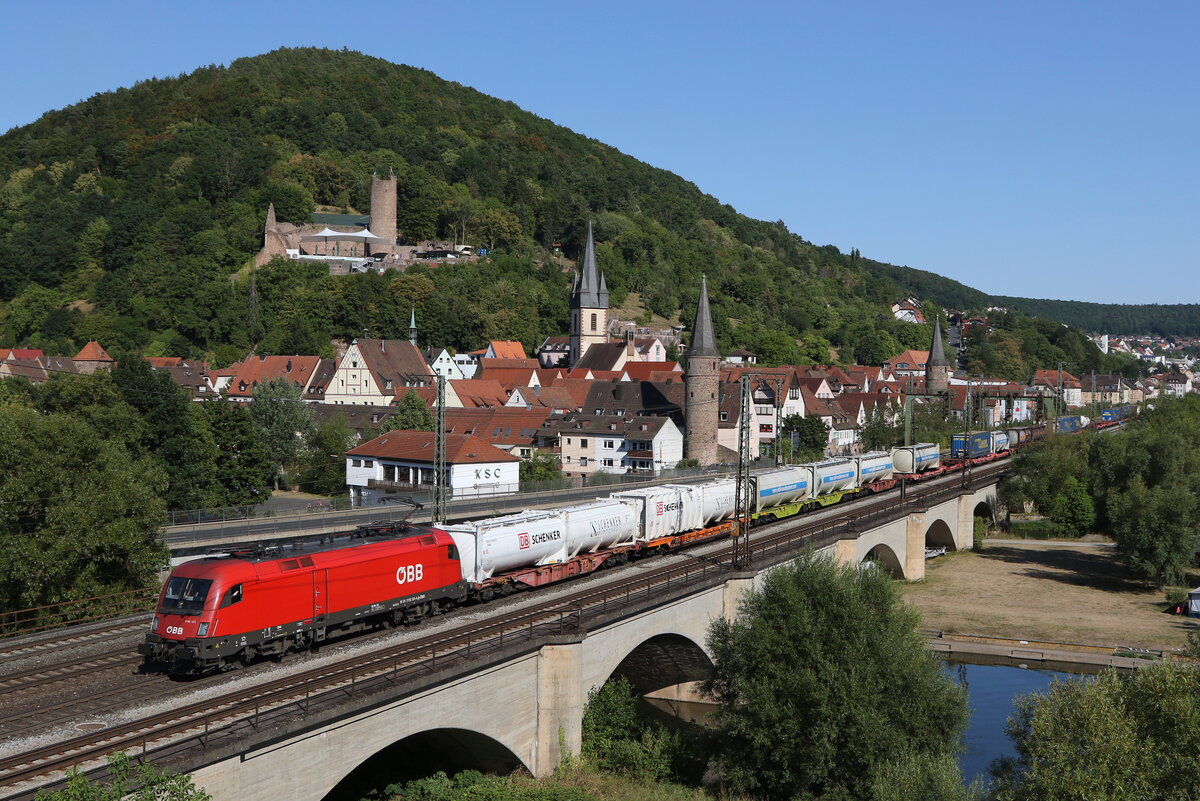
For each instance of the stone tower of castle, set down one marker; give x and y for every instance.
(383, 211)
(274, 241)
(589, 305)
(937, 372)
(703, 386)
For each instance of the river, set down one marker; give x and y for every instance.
(991, 691)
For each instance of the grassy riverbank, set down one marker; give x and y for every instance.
(1046, 590)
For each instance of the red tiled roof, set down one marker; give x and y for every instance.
(92, 352)
(915, 359)
(262, 369)
(503, 427)
(26, 353)
(508, 377)
(417, 446)
(576, 388)
(476, 392)
(506, 349)
(522, 363)
(641, 371)
(162, 361)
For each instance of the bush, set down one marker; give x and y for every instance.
(618, 738)
(1035, 529)
(1176, 595)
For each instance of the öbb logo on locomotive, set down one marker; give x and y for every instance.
(410, 573)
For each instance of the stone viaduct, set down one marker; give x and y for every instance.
(525, 708)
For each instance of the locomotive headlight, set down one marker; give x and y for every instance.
(203, 630)
(154, 625)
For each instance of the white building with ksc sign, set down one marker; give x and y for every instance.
(402, 462)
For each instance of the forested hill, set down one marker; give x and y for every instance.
(131, 218)
(1181, 319)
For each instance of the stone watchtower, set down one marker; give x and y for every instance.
(937, 372)
(383, 211)
(589, 305)
(703, 384)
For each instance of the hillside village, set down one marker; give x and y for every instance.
(606, 398)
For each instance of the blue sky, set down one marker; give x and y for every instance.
(1044, 149)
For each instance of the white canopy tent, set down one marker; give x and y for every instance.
(328, 234)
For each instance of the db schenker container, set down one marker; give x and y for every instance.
(916, 458)
(872, 466)
(832, 475)
(662, 511)
(598, 525)
(973, 446)
(717, 500)
(524, 539)
(782, 485)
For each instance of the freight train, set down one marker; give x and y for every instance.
(218, 612)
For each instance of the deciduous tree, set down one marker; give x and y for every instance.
(282, 419)
(244, 469)
(1111, 738)
(79, 513)
(822, 678)
(323, 465)
(809, 435)
(411, 415)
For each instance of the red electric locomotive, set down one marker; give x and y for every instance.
(218, 611)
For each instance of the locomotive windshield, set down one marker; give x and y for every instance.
(185, 596)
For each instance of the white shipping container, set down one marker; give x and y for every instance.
(718, 501)
(832, 475)
(596, 526)
(661, 511)
(873, 466)
(526, 539)
(916, 458)
(783, 485)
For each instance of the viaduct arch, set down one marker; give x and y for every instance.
(422, 754)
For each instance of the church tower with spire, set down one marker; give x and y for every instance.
(589, 304)
(937, 372)
(702, 382)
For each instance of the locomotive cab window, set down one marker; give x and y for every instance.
(233, 595)
(185, 596)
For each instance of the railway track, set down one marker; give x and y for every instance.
(295, 692)
(68, 670)
(23, 646)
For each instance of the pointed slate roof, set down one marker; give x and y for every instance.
(704, 339)
(937, 353)
(591, 291)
